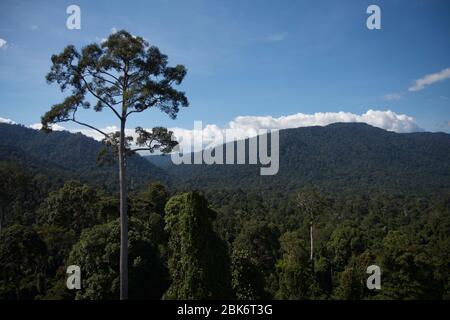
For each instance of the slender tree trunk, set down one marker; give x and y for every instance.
(311, 240)
(123, 217)
(1, 221)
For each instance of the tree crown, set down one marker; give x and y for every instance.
(123, 73)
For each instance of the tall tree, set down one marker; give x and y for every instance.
(125, 75)
(198, 259)
(311, 203)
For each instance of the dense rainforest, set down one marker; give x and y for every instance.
(377, 197)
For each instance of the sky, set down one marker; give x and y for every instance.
(251, 63)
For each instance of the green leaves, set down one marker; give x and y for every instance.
(22, 261)
(158, 139)
(198, 259)
(63, 112)
(124, 71)
(72, 207)
(97, 253)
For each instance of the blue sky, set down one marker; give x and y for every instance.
(246, 58)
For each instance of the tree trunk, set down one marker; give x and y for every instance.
(311, 256)
(1, 221)
(311, 239)
(123, 217)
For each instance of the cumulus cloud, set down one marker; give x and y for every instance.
(392, 97)
(430, 79)
(387, 120)
(3, 120)
(243, 127)
(3, 43)
(249, 126)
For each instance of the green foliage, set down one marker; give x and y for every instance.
(72, 207)
(22, 263)
(261, 241)
(20, 194)
(97, 253)
(294, 268)
(125, 75)
(59, 242)
(345, 241)
(371, 215)
(341, 158)
(152, 199)
(48, 154)
(246, 278)
(352, 280)
(197, 258)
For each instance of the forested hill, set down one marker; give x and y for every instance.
(351, 157)
(342, 157)
(64, 155)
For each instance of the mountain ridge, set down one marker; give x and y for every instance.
(71, 156)
(337, 157)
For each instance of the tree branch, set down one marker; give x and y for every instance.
(106, 80)
(142, 149)
(99, 98)
(107, 73)
(91, 127)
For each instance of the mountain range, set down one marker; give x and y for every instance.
(353, 157)
(64, 155)
(350, 157)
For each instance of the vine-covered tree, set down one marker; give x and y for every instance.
(198, 259)
(126, 76)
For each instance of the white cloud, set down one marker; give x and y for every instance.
(387, 120)
(430, 79)
(3, 120)
(3, 44)
(55, 127)
(248, 126)
(275, 37)
(392, 97)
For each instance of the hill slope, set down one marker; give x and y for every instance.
(340, 157)
(69, 156)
